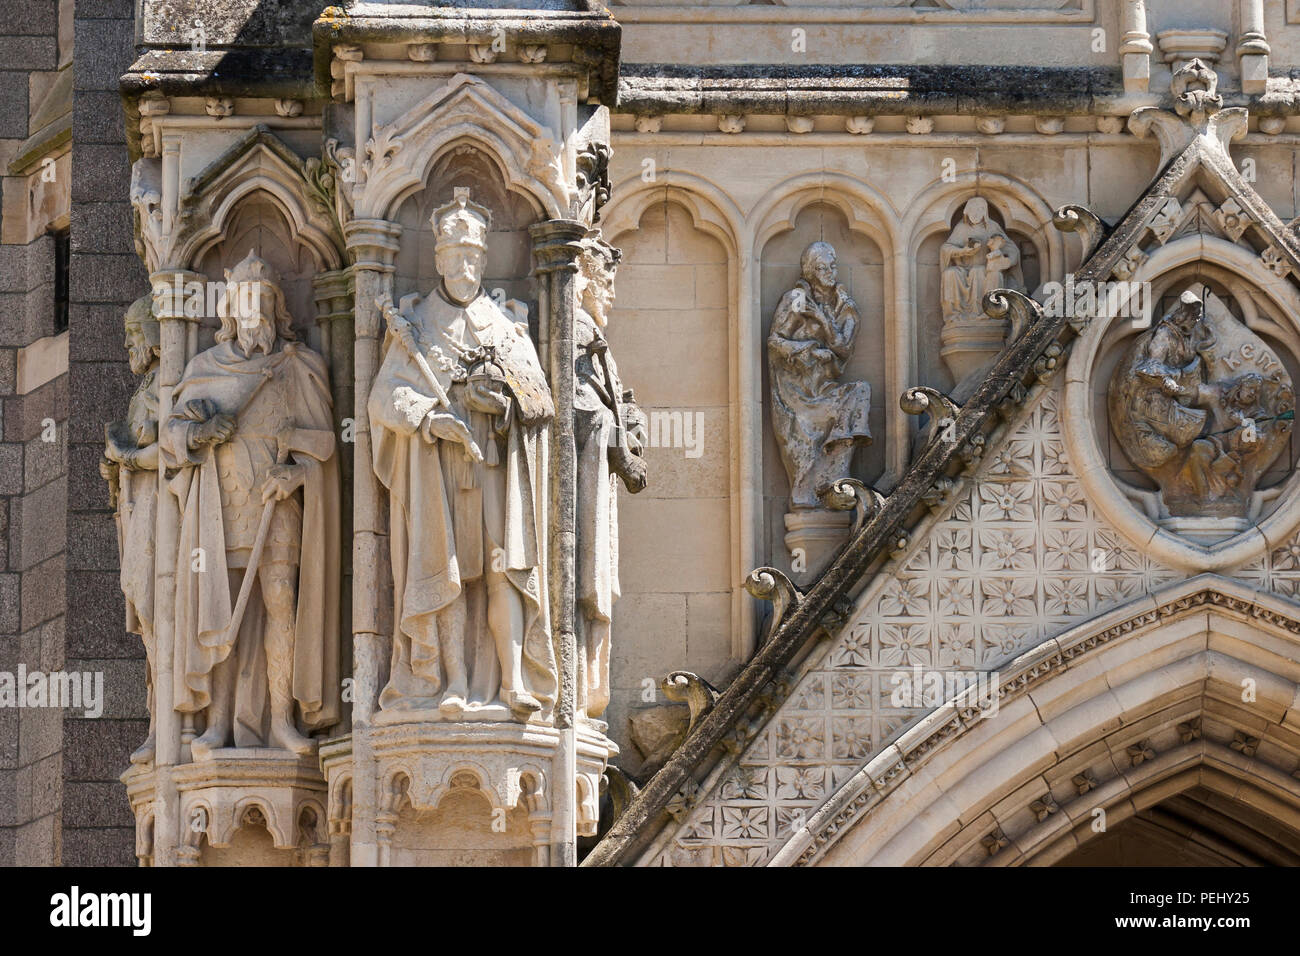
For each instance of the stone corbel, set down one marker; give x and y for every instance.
(341, 85)
(151, 104)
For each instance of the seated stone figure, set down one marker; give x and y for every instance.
(818, 420)
(1203, 435)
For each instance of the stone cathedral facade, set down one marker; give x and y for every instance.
(671, 434)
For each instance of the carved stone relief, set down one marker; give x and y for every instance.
(977, 258)
(611, 439)
(1021, 555)
(130, 466)
(1203, 406)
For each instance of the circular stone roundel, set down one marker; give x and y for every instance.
(1176, 430)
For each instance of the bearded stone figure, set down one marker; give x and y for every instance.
(818, 420)
(1190, 416)
(130, 466)
(458, 416)
(252, 438)
(977, 258)
(610, 434)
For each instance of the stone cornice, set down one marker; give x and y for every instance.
(774, 88)
(658, 88)
(592, 33)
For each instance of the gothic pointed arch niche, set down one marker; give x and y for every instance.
(399, 157)
(674, 328)
(465, 162)
(858, 225)
(257, 196)
(257, 223)
(1018, 211)
(259, 163)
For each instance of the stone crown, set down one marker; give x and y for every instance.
(461, 222)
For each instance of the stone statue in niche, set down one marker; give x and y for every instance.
(977, 258)
(610, 432)
(818, 420)
(130, 466)
(457, 413)
(251, 435)
(1203, 407)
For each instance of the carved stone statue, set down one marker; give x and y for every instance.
(257, 576)
(1200, 405)
(457, 415)
(130, 466)
(977, 258)
(611, 438)
(818, 420)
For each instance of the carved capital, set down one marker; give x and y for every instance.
(557, 244)
(372, 243)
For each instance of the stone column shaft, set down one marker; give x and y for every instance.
(373, 244)
(1135, 47)
(556, 247)
(1252, 47)
(174, 333)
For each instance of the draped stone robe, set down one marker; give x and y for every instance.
(137, 510)
(965, 282)
(285, 393)
(453, 519)
(597, 518)
(817, 419)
